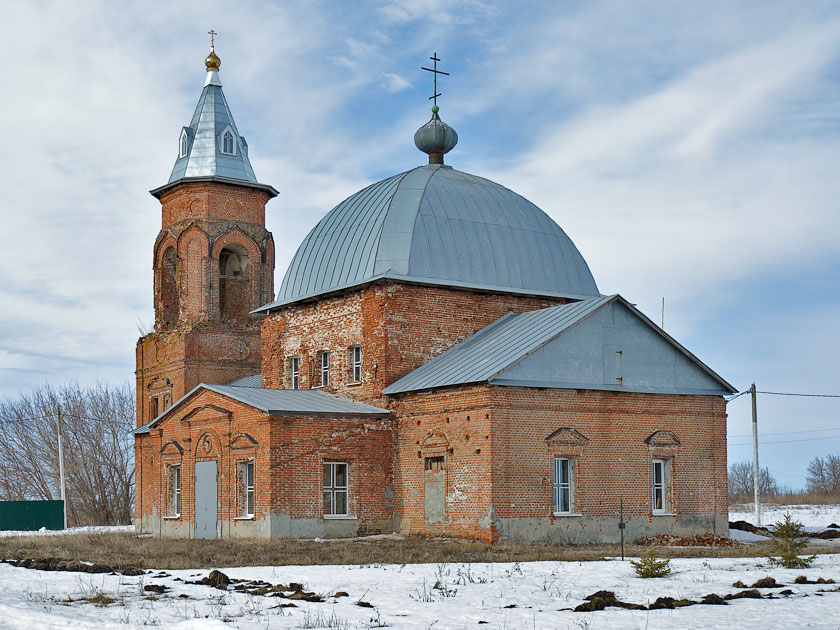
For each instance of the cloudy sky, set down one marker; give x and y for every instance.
(690, 150)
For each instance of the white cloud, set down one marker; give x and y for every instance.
(394, 82)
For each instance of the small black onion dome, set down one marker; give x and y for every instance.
(435, 138)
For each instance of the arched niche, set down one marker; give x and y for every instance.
(234, 283)
(169, 300)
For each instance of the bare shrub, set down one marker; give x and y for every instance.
(741, 482)
(98, 450)
(823, 476)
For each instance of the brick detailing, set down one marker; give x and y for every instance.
(288, 454)
(500, 465)
(399, 326)
(213, 263)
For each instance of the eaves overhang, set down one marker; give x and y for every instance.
(159, 192)
(428, 282)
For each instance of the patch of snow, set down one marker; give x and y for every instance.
(93, 529)
(531, 595)
(813, 517)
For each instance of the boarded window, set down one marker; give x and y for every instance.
(153, 409)
(335, 489)
(435, 464)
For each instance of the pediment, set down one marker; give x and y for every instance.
(662, 438)
(207, 412)
(566, 435)
(243, 440)
(172, 448)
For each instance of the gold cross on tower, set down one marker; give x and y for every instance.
(212, 35)
(436, 72)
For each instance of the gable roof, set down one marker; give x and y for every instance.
(281, 402)
(484, 356)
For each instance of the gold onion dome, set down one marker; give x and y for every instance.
(212, 61)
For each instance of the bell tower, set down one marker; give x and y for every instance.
(213, 261)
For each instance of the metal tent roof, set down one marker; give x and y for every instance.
(435, 225)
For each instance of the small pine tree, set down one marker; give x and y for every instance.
(649, 566)
(788, 542)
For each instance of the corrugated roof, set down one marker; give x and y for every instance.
(254, 380)
(436, 225)
(204, 156)
(282, 402)
(493, 348)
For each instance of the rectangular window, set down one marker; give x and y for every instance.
(660, 485)
(562, 485)
(167, 401)
(324, 367)
(246, 488)
(173, 483)
(335, 489)
(294, 372)
(154, 408)
(355, 364)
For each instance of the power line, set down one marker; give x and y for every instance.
(797, 394)
(819, 439)
(787, 432)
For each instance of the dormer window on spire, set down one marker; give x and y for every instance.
(228, 142)
(183, 144)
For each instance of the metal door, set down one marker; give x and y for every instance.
(435, 490)
(206, 500)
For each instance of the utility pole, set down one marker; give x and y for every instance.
(61, 464)
(756, 503)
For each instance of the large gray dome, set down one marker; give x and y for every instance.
(435, 225)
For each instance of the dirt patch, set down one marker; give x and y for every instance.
(58, 564)
(700, 540)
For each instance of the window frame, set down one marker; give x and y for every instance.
(355, 363)
(323, 368)
(662, 486)
(558, 486)
(247, 491)
(183, 144)
(173, 490)
(228, 132)
(333, 490)
(294, 372)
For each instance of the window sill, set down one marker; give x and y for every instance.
(318, 386)
(250, 517)
(562, 514)
(664, 513)
(339, 517)
(172, 518)
(353, 384)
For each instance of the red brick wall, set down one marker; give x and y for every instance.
(203, 329)
(497, 454)
(288, 455)
(400, 327)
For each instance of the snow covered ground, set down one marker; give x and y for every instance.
(813, 517)
(453, 595)
(507, 595)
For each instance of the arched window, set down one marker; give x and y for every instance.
(234, 284)
(228, 142)
(184, 144)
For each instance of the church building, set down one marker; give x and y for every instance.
(438, 360)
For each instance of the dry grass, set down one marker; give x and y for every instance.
(129, 550)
